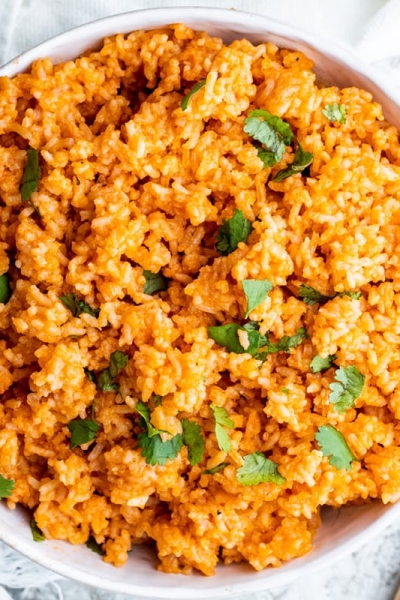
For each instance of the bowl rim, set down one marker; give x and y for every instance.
(157, 17)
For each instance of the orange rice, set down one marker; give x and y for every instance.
(131, 182)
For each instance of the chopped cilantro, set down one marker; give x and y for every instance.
(106, 380)
(235, 230)
(259, 345)
(266, 156)
(155, 282)
(215, 469)
(302, 159)
(82, 431)
(37, 534)
(197, 86)
(274, 133)
(144, 411)
(30, 178)
(77, 307)
(5, 290)
(6, 487)
(320, 363)
(258, 469)
(311, 296)
(335, 112)
(350, 383)
(333, 444)
(157, 400)
(90, 375)
(118, 361)
(285, 390)
(94, 546)
(255, 290)
(194, 440)
(155, 451)
(222, 420)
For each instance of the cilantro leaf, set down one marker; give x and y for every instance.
(227, 337)
(105, 382)
(155, 282)
(256, 290)
(77, 307)
(335, 112)
(222, 420)
(302, 159)
(6, 487)
(157, 400)
(231, 232)
(118, 361)
(5, 290)
(155, 451)
(197, 86)
(82, 431)
(291, 341)
(266, 156)
(352, 295)
(215, 469)
(258, 469)
(320, 363)
(194, 440)
(274, 133)
(30, 177)
(348, 389)
(333, 444)
(37, 534)
(90, 375)
(144, 411)
(311, 296)
(94, 546)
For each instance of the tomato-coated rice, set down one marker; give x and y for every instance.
(129, 183)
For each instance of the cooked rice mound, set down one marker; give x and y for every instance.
(129, 183)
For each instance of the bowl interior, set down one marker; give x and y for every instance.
(342, 531)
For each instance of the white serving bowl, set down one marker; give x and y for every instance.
(342, 531)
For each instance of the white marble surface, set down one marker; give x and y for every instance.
(373, 572)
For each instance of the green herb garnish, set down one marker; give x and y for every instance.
(335, 112)
(256, 291)
(259, 345)
(320, 363)
(91, 375)
(106, 380)
(154, 450)
(271, 131)
(258, 469)
(302, 159)
(94, 546)
(5, 290)
(37, 534)
(311, 296)
(197, 86)
(348, 387)
(30, 178)
(231, 232)
(194, 440)
(222, 420)
(77, 307)
(6, 487)
(333, 444)
(155, 282)
(215, 469)
(82, 431)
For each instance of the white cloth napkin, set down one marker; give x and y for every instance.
(369, 27)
